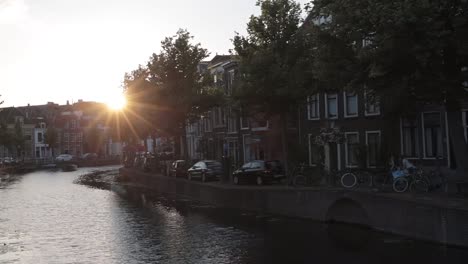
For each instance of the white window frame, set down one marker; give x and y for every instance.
(423, 132)
(346, 148)
(326, 106)
(207, 122)
(232, 123)
(366, 106)
(241, 123)
(310, 151)
(317, 96)
(222, 115)
(345, 99)
(367, 144)
(402, 145)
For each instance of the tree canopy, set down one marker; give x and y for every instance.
(171, 89)
(271, 70)
(413, 49)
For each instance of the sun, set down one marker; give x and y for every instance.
(116, 102)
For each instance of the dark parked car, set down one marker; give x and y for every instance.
(259, 171)
(179, 168)
(205, 170)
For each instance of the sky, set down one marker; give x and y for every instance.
(59, 50)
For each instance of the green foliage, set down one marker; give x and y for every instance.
(171, 89)
(5, 136)
(414, 50)
(271, 58)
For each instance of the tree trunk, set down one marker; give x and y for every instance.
(284, 143)
(458, 144)
(183, 138)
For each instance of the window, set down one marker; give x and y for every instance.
(373, 148)
(331, 106)
(244, 120)
(39, 137)
(409, 138)
(247, 165)
(72, 137)
(432, 135)
(207, 124)
(232, 122)
(314, 151)
(66, 137)
(219, 117)
(372, 104)
(73, 124)
(79, 137)
(351, 104)
(351, 148)
(313, 110)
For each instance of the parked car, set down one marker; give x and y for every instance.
(8, 161)
(89, 156)
(179, 168)
(205, 170)
(64, 157)
(259, 171)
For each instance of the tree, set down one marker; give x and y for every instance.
(18, 138)
(94, 139)
(271, 64)
(178, 90)
(51, 138)
(407, 52)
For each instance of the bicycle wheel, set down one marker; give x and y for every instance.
(400, 184)
(349, 180)
(300, 180)
(419, 186)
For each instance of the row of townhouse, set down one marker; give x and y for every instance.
(371, 134)
(79, 128)
(228, 132)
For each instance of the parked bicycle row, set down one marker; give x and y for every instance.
(400, 177)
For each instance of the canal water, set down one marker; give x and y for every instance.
(46, 218)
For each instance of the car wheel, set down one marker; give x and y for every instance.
(203, 177)
(236, 180)
(259, 180)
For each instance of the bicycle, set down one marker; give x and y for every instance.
(351, 179)
(303, 175)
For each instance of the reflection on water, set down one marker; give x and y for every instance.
(45, 218)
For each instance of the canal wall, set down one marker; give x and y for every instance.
(440, 220)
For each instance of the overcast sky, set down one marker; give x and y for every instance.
(59, 50)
